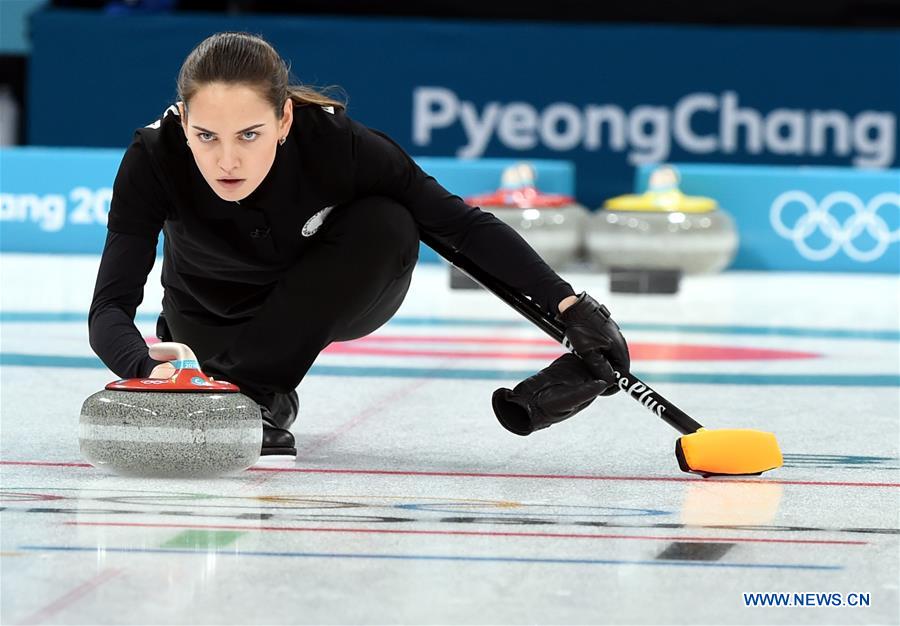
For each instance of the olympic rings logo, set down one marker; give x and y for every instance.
(865, 218)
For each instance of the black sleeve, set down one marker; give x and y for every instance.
(138, 205)
(136, 215)
(126, 261)
(383, 168)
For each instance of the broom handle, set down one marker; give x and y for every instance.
(628, 382)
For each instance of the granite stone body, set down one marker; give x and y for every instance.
(170, 434)
(695, 243)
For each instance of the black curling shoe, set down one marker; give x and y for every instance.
(277, 440)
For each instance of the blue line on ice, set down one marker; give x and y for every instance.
(699, 378)
(7, 317)
(440, 557)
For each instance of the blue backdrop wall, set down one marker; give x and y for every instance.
(608, 98)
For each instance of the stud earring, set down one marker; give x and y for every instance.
(281, 141)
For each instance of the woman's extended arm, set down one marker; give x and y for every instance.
(126, 262)
(136, 216)
(383, 168)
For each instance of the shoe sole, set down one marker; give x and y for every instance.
(278, 455)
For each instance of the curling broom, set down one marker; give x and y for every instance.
(722, 452)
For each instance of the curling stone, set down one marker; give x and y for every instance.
(552, 224)
(662, 229)
(186, 426)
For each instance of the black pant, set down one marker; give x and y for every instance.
(347, 284)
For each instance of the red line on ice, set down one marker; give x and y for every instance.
(370, 472)
(639, 351)
(71, 597)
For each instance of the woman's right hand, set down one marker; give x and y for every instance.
(163, 370)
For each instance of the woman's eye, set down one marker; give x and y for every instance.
(206, 137)
(251, 138)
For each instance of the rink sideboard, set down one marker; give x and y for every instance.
(55, 200)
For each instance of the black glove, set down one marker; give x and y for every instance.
(554, 394)
(596, 338)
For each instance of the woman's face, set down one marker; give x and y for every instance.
(233, 134)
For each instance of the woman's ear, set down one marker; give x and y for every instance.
(182, 114)
(287, 117)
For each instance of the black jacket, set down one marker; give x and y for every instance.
(221, 258)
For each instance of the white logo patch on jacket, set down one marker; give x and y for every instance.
(313, 223)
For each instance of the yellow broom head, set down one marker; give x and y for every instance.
(735, 452)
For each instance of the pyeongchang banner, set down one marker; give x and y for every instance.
(609, 98)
